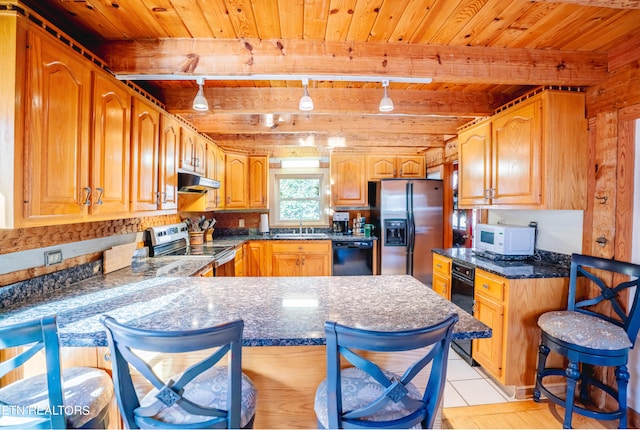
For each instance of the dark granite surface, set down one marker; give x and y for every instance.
(553, 266)
(276, 311)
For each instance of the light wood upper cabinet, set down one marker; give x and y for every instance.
(258, 181)
(214, 170)
(193, 150)
(145, 156)
(58, 111)
(110, 148)
(169, 153)
(392, 166)
(529, 156)
(348, 180)
(236, 181)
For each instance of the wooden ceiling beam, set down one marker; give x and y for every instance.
(454, 64)
(612, 4)
(335, 101)
(221, 123)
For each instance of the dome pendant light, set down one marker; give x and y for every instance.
(306, 102)
(386, 104)
(200, 102)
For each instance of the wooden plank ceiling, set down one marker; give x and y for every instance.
(479, 53)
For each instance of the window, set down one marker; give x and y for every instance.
(299, 195)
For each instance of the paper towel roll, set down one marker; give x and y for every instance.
(264, 223)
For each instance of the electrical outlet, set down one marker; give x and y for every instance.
(52, 257)
(241, 222)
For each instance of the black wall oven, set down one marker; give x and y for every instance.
(462, 295)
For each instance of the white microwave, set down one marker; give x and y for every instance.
(505, 239)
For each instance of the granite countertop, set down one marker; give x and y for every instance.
(237, 239)
(519, 269)
(276, 311)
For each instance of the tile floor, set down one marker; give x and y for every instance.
(467, 385)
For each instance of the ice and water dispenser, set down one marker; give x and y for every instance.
(395, 232)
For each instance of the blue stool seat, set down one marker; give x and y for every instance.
(75, 397)
(204, 395)
(369, 396)
(597, 329)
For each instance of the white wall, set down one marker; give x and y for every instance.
(634, 359)
(558, 231)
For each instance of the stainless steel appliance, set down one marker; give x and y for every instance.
(462, 295)
(409, 215)
(352, 258)
(173, 240)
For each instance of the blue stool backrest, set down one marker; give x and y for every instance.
(227, 338)
(35, 336)
(342, 340)
(629, 320)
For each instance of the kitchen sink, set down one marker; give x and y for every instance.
(301, 236)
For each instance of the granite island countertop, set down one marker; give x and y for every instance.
(518, 269)
(277, 311)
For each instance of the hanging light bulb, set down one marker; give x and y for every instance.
(200, 102)
(386, 104)
(306, 102)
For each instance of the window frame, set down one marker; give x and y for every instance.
(309, 173)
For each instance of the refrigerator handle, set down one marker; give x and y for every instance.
(411, 229)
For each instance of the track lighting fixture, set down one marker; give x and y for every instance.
(306, 102)
(200, 102)
(386, 104)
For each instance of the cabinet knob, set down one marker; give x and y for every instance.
(485, 286)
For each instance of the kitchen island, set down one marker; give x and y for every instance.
(284, 318)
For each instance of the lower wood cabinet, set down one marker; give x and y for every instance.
(301, 258)
(441, 283)
(255, 258)
(511, 307)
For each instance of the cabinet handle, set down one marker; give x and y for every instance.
(228, 199)
(101, 192)
(197, 162)
(158, 193)
(439, 266)
(87, 197)
(486, 194)
(485, 286)
(164, 194)
(297, 262)
(492, 192)
(303, 260)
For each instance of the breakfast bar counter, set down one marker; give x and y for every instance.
(283, 353)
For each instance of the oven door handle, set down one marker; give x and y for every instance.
(225, 258)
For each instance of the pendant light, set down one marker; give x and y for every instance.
(200, 102)
(306, 103)
(386, 104)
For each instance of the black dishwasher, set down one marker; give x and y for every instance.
(352, 257)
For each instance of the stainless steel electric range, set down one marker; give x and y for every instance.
(173, 240)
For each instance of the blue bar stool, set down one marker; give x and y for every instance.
(202, 396)
(368, 396)
(75, 397)
(593, 331)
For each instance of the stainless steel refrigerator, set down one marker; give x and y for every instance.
(409, 217)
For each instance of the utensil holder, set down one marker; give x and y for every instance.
(196, 237)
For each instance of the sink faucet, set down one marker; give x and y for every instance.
(300, 225)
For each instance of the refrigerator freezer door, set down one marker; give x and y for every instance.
(393, 206)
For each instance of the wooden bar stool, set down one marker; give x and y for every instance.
(202, 396)
(75, 397)
(595, 330)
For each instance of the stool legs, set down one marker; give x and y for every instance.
(543, 352)
(622, 378)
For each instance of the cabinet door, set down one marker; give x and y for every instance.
(441, 285)
(239, 261)
(236, 173)
(348, 180)
(258, 181)
(169, 153)
(315, 265)
(211, 195)
(488, 352)
(410, 167)
(254, 259)
(474, 170)
(380, 167)
(516, 156)
(220, 176)
(192, 151)
(145, 156)
(110, 148)
(285, 264)
(57, 137)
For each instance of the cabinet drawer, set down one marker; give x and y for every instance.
(311, 246)
(489, 286)
(442, 265)
(441, 285)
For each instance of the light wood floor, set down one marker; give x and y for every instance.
(525, 414)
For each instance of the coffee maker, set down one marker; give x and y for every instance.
(340, 223)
